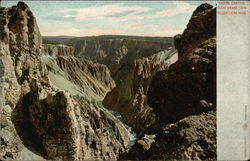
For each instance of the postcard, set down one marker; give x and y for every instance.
(124, 80)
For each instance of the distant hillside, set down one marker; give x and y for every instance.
(69, 39)
(46, 41)
(113, 37)
(56, 39)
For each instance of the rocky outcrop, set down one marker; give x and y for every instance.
(184, 97)
(66, 128)
(189, 87)
(117, 53)
(190, 83)
(93, 79)
(129, 98)
(45, 115)
(200, 28)
(20, 48)
(192, 138)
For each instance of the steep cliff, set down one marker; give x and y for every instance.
(45, 111)
(93, 79)
(191, 81)
(184, 97)
(20, 47)
(129, 98)
(118, 52)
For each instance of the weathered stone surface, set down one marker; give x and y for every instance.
(67, 128)
(19, 46)
(129, 98)
(192, 138)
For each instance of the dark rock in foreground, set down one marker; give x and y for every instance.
(189, 86)
(192, 138)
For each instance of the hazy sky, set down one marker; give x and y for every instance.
(87, 18)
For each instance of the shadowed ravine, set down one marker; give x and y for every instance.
(133, 137)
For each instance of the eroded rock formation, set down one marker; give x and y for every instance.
(184, 97)
(93, 79)
(118, 54)
(129, 98)
(41, 119)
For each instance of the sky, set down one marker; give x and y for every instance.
(92, 18)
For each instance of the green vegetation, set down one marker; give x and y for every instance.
(57, 39)
(45, 41)
(69, 39)
(103, 37)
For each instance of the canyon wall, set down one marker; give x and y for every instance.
(117, 53)
(129, 98)
(92, 79)
(49, 99)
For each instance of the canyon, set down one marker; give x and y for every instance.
(132, 61)
(108, 97)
